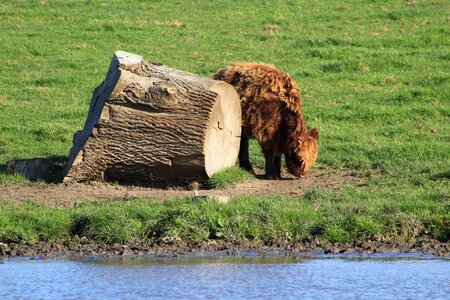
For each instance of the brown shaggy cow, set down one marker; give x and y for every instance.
(271, 113)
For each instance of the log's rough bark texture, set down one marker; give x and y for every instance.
(148, 122)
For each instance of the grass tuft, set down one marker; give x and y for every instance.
(229, 177)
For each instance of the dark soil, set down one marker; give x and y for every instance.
(82, 247)
(67, 195)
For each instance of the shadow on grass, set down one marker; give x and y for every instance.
(440, 176)
(49, 170)
(264, 177)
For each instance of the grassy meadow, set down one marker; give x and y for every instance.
(375, 81)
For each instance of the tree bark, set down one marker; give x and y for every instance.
(148, 122)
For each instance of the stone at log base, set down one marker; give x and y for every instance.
(35, 169)
(148, 122)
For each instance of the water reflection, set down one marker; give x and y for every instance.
(253, 258)
(195, 260)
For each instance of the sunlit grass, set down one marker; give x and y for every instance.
(348, 216)
(374, 78)
(229, 177)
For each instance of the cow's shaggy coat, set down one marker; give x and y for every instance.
(272, 114)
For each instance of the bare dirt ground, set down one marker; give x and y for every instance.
(67, 195)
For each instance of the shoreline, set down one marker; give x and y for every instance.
(85, 248)
(318, 221)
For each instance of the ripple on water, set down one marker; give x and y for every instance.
(380, 277)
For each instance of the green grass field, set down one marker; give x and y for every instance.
(349, 216)
(374, 76)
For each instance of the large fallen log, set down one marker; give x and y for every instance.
(148, 122)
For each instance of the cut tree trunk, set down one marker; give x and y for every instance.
(148, 122)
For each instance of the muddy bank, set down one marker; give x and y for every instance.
(82, 247)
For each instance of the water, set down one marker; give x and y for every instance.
(323, 277)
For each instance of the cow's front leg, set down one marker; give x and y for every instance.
(277, 165)
(270, 165)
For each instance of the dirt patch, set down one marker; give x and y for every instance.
(67, 195)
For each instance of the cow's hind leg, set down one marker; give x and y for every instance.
(244, 160)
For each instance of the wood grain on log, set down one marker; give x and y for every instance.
(148, 122)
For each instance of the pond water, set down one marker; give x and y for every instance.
(318, 277)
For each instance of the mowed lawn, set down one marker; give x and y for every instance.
(374, 77)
